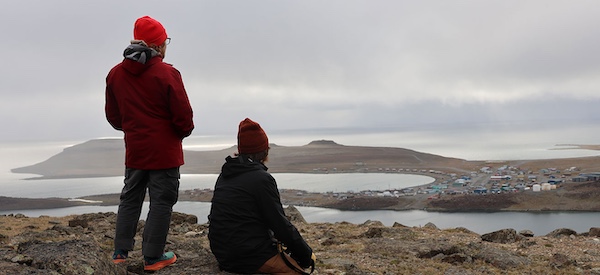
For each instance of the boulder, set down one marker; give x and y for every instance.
(68, 257)
(294, 215)
(526, 233)
(502, 236)
(371, 223)
(85, 220)
(181, 218)
(561, 232)
(498, 257)
(594, 232)
(373, 232)
(397, 224)
(559, 260)
(430, 226)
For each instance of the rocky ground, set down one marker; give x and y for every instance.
(83, 245)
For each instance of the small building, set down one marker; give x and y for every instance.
(480, 190)
(459, 182)
(546, 186)
(545, 172)
(579, 179)
(555, 181)
(486, 170)
(385, 194)
(439, 186)
(595, 176)
(502, 177)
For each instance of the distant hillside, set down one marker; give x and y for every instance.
(105, 157)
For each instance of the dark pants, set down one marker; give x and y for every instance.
(163, 188)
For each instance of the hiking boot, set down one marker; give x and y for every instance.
(119, 256)
(154, 264)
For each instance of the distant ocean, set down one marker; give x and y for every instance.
(471, 142)
(500, 141)
(508, 141)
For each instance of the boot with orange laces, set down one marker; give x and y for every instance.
(154, 264)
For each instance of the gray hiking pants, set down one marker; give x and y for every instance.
(163, 189)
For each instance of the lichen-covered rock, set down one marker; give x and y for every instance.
(69, 257)
(292, 213)
(526, 233)
(430, 226)
(85, 220)
(498, 257)
(502, 236)
(370, 223)
(560, 260)
(180, 218)
(594, 232)
(561, 232)
(397, 224)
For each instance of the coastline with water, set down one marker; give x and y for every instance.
(343, 177)
(547, 154)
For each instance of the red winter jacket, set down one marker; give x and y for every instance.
(148, 102)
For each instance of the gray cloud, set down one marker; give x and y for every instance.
(307, 64)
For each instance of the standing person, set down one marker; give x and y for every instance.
(246, 217)
(146, 99)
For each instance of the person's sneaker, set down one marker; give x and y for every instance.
(158, 263)
(119, 256)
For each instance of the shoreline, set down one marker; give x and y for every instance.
(443, 203)
(441, 195)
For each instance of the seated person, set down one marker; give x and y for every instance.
(246, 219)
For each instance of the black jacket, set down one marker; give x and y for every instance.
(246, 207)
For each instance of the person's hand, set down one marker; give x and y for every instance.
(305, 262)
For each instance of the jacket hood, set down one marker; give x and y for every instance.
(138, 57)
(238, 165)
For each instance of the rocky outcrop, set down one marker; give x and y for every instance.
(83, 245)
(562, 232)
(502, 236)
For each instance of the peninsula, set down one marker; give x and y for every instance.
(453, 190)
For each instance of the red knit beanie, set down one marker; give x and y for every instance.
(151, 31)
(251, 138)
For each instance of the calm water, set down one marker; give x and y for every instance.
(539, 223)
(72, 188)
(471, 142)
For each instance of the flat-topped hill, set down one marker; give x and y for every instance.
(105, 157)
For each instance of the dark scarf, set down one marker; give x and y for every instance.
(139, 53)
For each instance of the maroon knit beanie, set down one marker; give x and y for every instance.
(151, 31)
(251, 138)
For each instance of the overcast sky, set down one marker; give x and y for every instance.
(293, 65)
